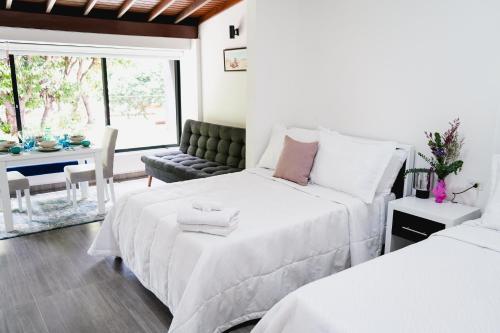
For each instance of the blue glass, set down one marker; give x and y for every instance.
(64, 141)
(29, 143)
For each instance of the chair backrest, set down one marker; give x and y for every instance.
(108, 150)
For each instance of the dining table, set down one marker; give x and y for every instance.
(36, 157)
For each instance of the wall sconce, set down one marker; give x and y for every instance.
(233, 31)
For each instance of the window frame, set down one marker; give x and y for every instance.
(15, 92)
(104, 70)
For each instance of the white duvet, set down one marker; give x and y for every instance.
(287, 236)
(448, 283)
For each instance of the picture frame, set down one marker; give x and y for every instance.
(235, 59)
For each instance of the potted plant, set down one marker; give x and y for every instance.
(445, 149)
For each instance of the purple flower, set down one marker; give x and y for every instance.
(439, 152)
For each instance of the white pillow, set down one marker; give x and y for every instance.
(491, 216)
(351, 165)
(303, 134)
(270, 157)
(391, 172)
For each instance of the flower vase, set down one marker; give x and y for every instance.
(440, 191)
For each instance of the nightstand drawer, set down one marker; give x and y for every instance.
(412, 227)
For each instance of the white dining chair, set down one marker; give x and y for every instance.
(84, 173)
(17, 183)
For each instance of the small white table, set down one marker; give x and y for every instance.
(413, 219)
(34, 158)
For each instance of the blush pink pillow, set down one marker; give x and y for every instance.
(296, 161)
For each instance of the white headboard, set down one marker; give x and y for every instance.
(495, 168)
(403, 186)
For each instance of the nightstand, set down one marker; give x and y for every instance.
(411, 220)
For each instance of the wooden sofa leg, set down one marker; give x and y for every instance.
(150, 179)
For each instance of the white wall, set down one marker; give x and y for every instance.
(191, 83)
(273, 70)
(224, 94)
(387, 69)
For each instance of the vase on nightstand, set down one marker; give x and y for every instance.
(445, 159)
(440, 191)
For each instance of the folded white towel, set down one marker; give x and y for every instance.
(210, 229)
(220, 218)
(207, 205)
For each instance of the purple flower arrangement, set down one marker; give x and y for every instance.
(445, 149)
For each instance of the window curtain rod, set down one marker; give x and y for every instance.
(20, 48)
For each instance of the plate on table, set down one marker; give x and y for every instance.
(48, 150)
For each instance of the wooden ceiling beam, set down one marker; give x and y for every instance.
(160, 8)
(50, 5)
(191, 9)
(89, 6)
(8, 4)
(18, 19)
(125, 7)
(219, 9)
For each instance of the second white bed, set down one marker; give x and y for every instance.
(288, 236)
(447, 283)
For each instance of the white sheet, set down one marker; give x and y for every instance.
(287, 236)
(448, 283)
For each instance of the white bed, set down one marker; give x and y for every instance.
(288, 236)
(447, 283)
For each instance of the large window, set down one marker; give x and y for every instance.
(139, 102)
(81, 95)
(60, 95)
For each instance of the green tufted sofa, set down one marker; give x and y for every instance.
(206, 150)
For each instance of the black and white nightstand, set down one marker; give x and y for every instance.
(411, 220)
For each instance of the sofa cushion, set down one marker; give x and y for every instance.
(183, 166)
(215, 143)
(205, 150)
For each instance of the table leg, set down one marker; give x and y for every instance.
(5, 194)
(99, 183)
(84, 188)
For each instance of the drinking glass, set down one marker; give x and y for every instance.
(64, 141)
(422, 183)
(29, 143)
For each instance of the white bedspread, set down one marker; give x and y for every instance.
(287, 237)
(448, 283)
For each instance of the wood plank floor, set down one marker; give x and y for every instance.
(48, 284)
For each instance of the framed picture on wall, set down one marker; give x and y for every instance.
(235, 60)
